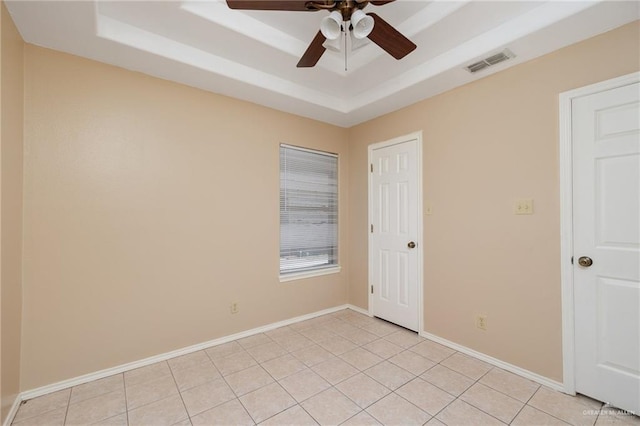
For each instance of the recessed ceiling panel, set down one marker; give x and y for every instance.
(252, 55)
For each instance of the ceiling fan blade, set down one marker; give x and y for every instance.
(291, 5)
(381, 2)
(313, 53)
(389, 39)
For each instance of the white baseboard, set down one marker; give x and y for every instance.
(168, 355)
(13, 411)
(496, 362)
(359, 310)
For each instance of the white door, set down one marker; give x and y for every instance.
(606, 232)
(394, 232)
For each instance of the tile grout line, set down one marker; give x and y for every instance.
(111, 391)
(233, 390)
(227, 383)
(505, 394)
(476, 407)
(332, 386)
(546, 412)
(360, 346)
(391, 391)
(525, 404)
(179, 392)
(141, 384)
(24, 402)
(424, 411)
(126, 402)
(92, 398)
(66, 413)
(274, 381)
(456, 398)
(300, 403)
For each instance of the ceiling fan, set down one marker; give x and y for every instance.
(361, 25)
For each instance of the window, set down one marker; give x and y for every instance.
(308, 211)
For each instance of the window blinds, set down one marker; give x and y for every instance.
(308, 209)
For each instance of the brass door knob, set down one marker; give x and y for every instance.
(585, 261)
(411, 244)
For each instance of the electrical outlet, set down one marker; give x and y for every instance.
(481, 322)
(234, 308)
(523, 206)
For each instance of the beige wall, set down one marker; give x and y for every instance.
(485, 145)
(11, 144)
(150, 207)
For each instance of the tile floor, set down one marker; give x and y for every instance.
(343, 368)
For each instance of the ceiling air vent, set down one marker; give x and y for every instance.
(489, 61)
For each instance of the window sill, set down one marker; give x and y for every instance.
(309, 274)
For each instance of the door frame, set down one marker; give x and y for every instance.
(566, 219)
(419, 247)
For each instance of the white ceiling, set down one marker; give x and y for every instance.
(252, 55)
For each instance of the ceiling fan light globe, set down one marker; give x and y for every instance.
(362, 24)
(331, 26)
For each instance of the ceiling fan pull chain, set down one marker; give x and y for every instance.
(345, 50)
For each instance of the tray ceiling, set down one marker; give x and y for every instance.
(252, 55)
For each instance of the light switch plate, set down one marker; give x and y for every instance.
(523, 206)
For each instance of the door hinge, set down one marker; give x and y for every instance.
(371, 167)
(572, 260)
(371, 289)
(372, 228)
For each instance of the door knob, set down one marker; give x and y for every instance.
(411, 244)
(585, 261)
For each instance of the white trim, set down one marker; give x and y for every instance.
(545, 381)
(64, 384)
(359, 310)
(566, 218)
(566, 244)
(309, 274)
(13, 410)
(309, 150)
(419, 247)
